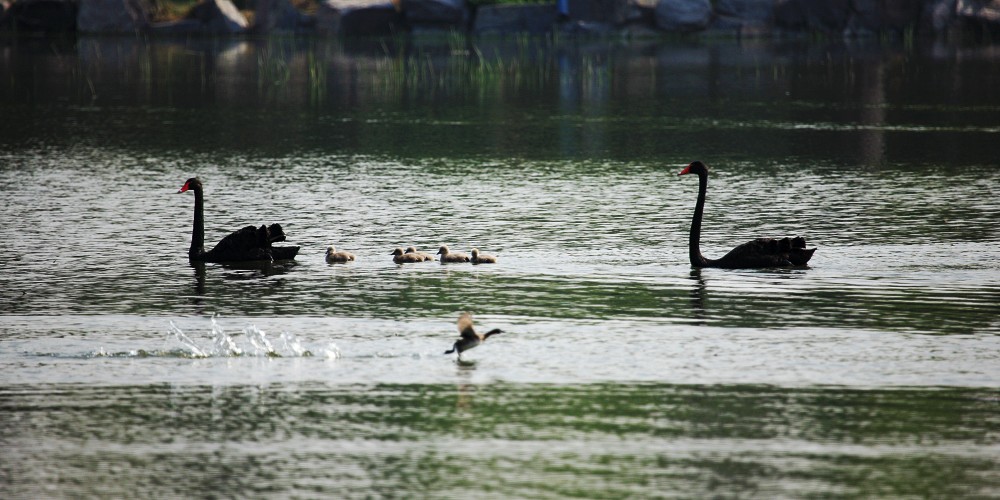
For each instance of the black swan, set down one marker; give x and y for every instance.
(247, 244)
(469, 338)
(762, 252)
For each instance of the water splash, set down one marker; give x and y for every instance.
(291, 344)
(186, 341)
(250, 341)
(258, 339)
(331, 351)
(224, 344)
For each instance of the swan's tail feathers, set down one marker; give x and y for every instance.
(284, 253)
(800, 256)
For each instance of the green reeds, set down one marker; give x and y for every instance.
(460, 65)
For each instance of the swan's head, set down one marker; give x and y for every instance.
(443, 250)
(411, 249)
(398, 251)
(475, 253)
(190, 184)
(330, 250)
(695, 167)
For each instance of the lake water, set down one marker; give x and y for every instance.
(622, 372)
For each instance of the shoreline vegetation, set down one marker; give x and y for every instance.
(950, 20)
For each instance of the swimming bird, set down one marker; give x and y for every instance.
(402, 258)
(248, 244)
(332, 255)
(469, 338)
(479, 258)
(448, 256)
(761, 252)
(426, 256)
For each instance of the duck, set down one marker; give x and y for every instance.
(469, 338)
(332, 255)
(426, 256)
(448, 256)
(479, 258)
(402, 258)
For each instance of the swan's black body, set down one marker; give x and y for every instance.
(761, 252)
(247, 244)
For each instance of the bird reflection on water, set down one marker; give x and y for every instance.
(698, 293)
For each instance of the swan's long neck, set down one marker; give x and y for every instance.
(198, 231)
(694, 245)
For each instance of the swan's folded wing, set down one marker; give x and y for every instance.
(767, 252)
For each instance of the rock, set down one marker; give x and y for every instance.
(979, 12)
(937, 16)
(436, 12)
(112, 16)
(592, 12)
(218, 17)
(179, 27)
(40, 15)
(902, 14)
(864, 19)
(586, 28)
(683, 15)
(357, 17)
(812, 15)
(280, 16)
(506, 19)
(743, 18)
(754, 11)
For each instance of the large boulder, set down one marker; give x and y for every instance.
(112, 16)
(743, 17)
(357, 17)
(507, 19)
(280, 16)
(442, 13)
(812, 15)
(746, 10)
(872, 17)
(216, 17)
(40, 15)
(683, 15)
(865, 18)
(938, 16)
(614, 12)
(979, 13)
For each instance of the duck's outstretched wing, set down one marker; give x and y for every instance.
(465, 328)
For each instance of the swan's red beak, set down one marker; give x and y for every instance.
(687, 170)
(183, 188)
